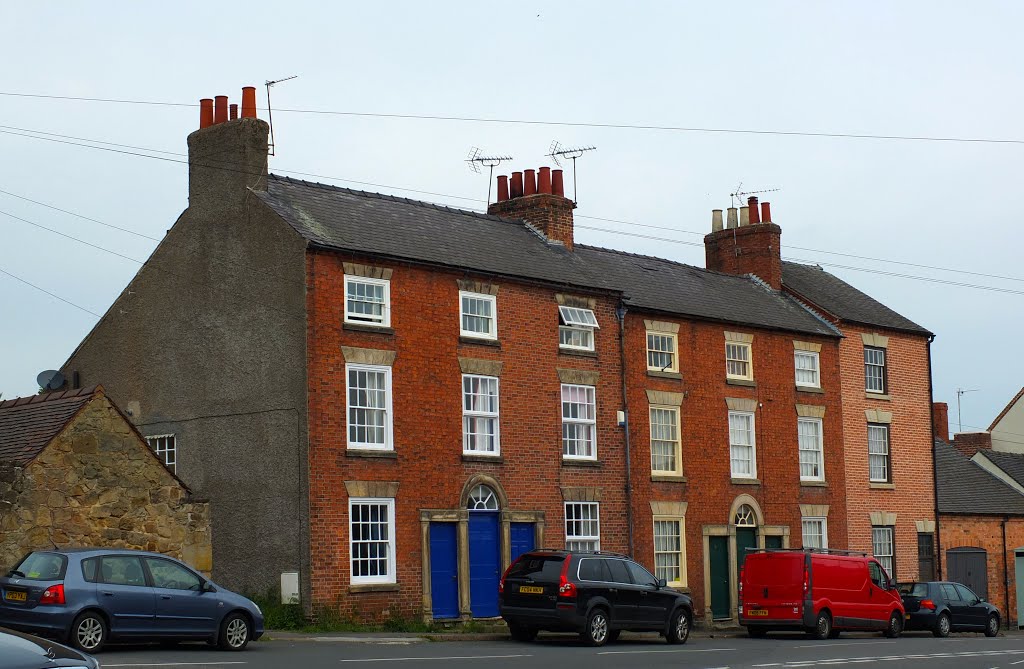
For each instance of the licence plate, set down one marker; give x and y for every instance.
(13, 596)
(531, 590)
(757, 612)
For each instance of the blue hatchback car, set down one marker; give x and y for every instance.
(89, 596)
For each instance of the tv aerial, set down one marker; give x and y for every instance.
(559, 152)
(476, 159)
(741, 195)
(50, 380)
(270, 114)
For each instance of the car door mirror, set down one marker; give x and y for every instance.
(661, 583)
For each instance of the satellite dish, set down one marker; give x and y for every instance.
(51, 379)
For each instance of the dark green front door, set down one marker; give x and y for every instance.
(746, 537)
(773, 542)
(718, 558)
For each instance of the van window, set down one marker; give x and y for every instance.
(914, 589)
(949, 592)
(43, 567)
(594, 569)
(878, 576)
(619, 572)
(545, 568)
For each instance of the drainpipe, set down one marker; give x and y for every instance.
(935, 461)
(620, 315)
(1006, 580)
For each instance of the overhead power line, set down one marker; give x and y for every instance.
(53, 295)
(564, 124)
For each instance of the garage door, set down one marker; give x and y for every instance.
(968, 566)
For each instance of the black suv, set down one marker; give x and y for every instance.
(596, 594)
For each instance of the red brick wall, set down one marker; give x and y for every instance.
(427, 407)
(969, 443)
(986, 532)
(705, 436)
(912, 496)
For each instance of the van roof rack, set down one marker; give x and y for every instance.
(823, 551)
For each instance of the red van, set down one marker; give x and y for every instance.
(819, 591)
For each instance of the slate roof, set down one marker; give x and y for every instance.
(344, 219)
(1011, 463)
(966, 488)
(28, 424)
(1006, 409)
(843, 300)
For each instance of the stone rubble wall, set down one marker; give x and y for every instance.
(99, 484)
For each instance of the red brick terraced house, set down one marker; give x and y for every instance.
(388, 400)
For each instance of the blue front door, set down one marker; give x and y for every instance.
(484, 564)
(444, 572)
(522, 539)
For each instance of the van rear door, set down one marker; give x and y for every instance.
(773, 586)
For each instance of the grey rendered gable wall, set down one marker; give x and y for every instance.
(208, 343)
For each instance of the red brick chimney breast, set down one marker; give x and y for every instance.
(940, 420)
(753, 248)
(548, 210)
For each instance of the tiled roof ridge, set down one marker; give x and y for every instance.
(1006, 409)
(395, 198)
(813, 312)
(34, 400)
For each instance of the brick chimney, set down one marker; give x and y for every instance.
(970, 443)
(226, 155)
(539, 199)
(748, 244)
(940, 420)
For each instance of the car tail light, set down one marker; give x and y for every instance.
(927, 604)
(501, 583)
(565, 588)
(807, 581)
(54, 595)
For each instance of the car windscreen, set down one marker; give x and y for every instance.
(545, 568)
(42, 567)
(913, 589)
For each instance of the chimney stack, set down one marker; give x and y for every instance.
(538, 198)
(940, 420)
(749, 245)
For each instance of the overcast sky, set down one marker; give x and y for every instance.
(939, 69)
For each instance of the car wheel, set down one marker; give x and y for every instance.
(596, 632)
(992, 628)
(89, 632)
(757, 632)
(520, 633)
(234, 632)
(942, 627)
(895, 626)
(679, 630)
(823, 626)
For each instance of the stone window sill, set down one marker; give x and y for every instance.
(740, 481)
(669, 478)
(376, 329)
(572, 351)
(741, 382)
(877, 396)
(366, 453)
(373, 587)
(809, 389)
(814, 484)
(480, 457)
(664, 375)
(882, 486)
(479, 341)
(566, 462)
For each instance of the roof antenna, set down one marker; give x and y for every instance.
(270, 114)
(557, 152)
(475, 159)
(959, 393)
(740, 195)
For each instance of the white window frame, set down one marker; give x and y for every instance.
(576, 320)
(673, 351)
(818, 449)
(753, 446)
(589, 392)
(887, 455)
(749, 361)
(493, 318)
(681, 525)
(882, 557)
(884, 367)
(810, 355)
(470, 414)
(162, 453)
(677, 452)
(573, 540)
(389, 444)
(390, 577)
(822, 523)
(385, 320)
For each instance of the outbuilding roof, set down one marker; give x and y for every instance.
(28, 424)
(965, 488)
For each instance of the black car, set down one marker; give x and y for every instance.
(596, 594)
(24, 651)
(943, 607)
